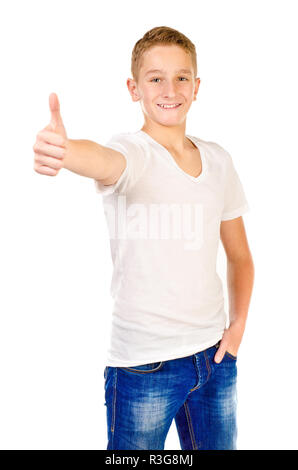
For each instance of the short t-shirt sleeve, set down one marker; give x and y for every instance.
(131, 148)
(235, 203)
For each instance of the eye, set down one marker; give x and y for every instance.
(184, 78)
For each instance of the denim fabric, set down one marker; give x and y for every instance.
(197, 392)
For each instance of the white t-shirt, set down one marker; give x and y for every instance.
(164, 228)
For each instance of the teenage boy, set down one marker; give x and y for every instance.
(168, 198)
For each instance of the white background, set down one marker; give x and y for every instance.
(55, 256)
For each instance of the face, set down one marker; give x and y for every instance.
(171, 84)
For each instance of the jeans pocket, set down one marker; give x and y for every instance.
(227, 354)
(231, 356)
(145, 368)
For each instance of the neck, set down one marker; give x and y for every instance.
(172, 138)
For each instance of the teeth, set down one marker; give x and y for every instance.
(169, 105)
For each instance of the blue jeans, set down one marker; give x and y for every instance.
(200, 394)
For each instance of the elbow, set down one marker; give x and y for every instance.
(242, 259)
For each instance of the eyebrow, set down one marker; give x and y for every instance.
(177, 71)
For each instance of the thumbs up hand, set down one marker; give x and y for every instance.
(51, 142)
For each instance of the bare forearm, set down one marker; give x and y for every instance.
(86, 158)
(240, 278)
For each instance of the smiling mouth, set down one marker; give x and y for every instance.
(167, 107)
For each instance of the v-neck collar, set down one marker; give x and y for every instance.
(195, 141)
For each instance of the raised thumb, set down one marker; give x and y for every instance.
(56, 119)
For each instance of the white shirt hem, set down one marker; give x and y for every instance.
(166, 357)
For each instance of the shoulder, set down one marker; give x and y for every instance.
(132, 147)
(213, 147)
(129, 138)
(216, 152)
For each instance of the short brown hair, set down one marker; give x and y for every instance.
(160, 35)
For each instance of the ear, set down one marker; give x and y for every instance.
(132, 88)
(197, 84)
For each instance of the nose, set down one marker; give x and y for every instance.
(169, 90)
